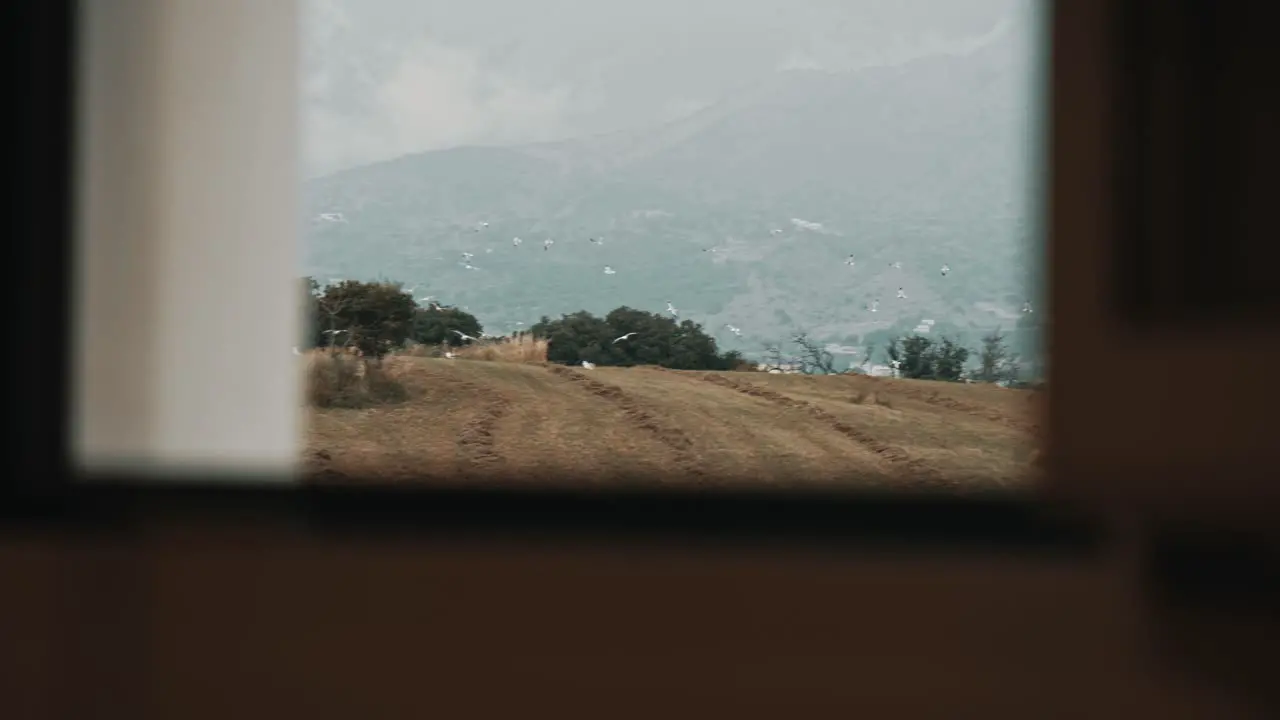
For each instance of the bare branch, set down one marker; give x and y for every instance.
(814, 359)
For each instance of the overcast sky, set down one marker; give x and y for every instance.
(383, 78)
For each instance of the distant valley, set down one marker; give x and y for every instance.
(746, 213)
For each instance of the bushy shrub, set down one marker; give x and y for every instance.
(652, 339)
(346, 380)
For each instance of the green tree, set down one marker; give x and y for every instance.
(438, 324)
(920, 358)
(914, 355)
(374, 317)
(653, 339)
(577, 337)
(949, 358)
(995, 361)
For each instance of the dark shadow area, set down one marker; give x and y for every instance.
(932, 522)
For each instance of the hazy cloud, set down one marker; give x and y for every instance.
(437, 96)
(388, 77)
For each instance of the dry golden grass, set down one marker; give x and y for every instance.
(344, 380)
(522, 349)
(522, 421)
(978, 432)
(420, 351)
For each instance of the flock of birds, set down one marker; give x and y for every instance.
(466, 264)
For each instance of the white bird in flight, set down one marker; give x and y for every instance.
(516, 241)
(609, 271)
(482, 226)
(1026, 306)
(945, 269)
(597, 241)
(467, 256)
(776, 231)
(333, 217)
(734, 330)
(295, 351)
(588, 365)
(875, 305)
(463, 335)
(902, 294)
(671, 309)
(469, 266)
(897, 265)
(849, 261)
(449, 355)
(624, 337)
(546, 244)
(488, 250)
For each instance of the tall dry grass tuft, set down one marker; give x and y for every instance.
(523, 349)
(343, 380)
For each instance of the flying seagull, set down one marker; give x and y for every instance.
(546, 244)
(449, 355)
(469, 266)
(333, 217)
(588, 365)
(463, 335)
(516, 241)
(672, 309)
(609, 271)
(734, 330)
(945, 269)
(902, 294)
(597, 241)
(624, 337)
(849, 261)
(467, 256)
(875, 305)
(1026, 306)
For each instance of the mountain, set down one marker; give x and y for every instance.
(923, 164)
